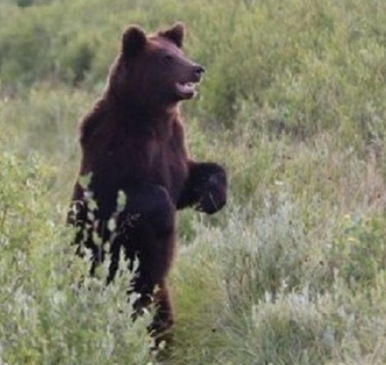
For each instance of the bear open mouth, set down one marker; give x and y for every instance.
(186, 90)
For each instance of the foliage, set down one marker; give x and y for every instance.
(50, 311)
(293, 270)
(295, 68)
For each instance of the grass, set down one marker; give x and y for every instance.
(292, 271)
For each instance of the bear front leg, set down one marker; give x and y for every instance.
(205, 189)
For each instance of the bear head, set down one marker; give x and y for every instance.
(152, 71)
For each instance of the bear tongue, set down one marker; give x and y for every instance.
(187, 88)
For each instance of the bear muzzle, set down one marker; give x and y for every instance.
(187, 90)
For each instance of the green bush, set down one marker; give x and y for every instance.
(357, 253)
(50, 311)
(297, 67)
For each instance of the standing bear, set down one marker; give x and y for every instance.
(133, 146)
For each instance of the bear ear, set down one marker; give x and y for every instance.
(175, 34)
(133, 41)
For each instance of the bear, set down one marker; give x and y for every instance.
(133, 145)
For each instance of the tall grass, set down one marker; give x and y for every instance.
(50, 311)
(293, 270)
(300, 69)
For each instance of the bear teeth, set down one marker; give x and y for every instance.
(188, 87)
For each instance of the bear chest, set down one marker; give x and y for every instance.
(165, 164)
(148, 160)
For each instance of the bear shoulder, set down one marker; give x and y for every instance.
(93, 120)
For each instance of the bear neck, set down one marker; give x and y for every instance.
(145, 119)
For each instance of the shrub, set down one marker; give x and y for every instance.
(50, 311)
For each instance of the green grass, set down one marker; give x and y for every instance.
(293, 271)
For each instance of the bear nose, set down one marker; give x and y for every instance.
(198, 71)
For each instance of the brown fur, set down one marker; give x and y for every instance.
(133, 140)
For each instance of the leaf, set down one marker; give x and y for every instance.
(121, 201)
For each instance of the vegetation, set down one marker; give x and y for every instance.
(293, 271)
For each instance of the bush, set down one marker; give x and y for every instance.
(286, 296)
(293, 65)
(50, 311)
(357, 253)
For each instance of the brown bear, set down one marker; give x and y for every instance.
(133, 142)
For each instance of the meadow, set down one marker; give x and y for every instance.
(293, 270)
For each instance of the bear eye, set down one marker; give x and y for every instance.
(168, 58)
